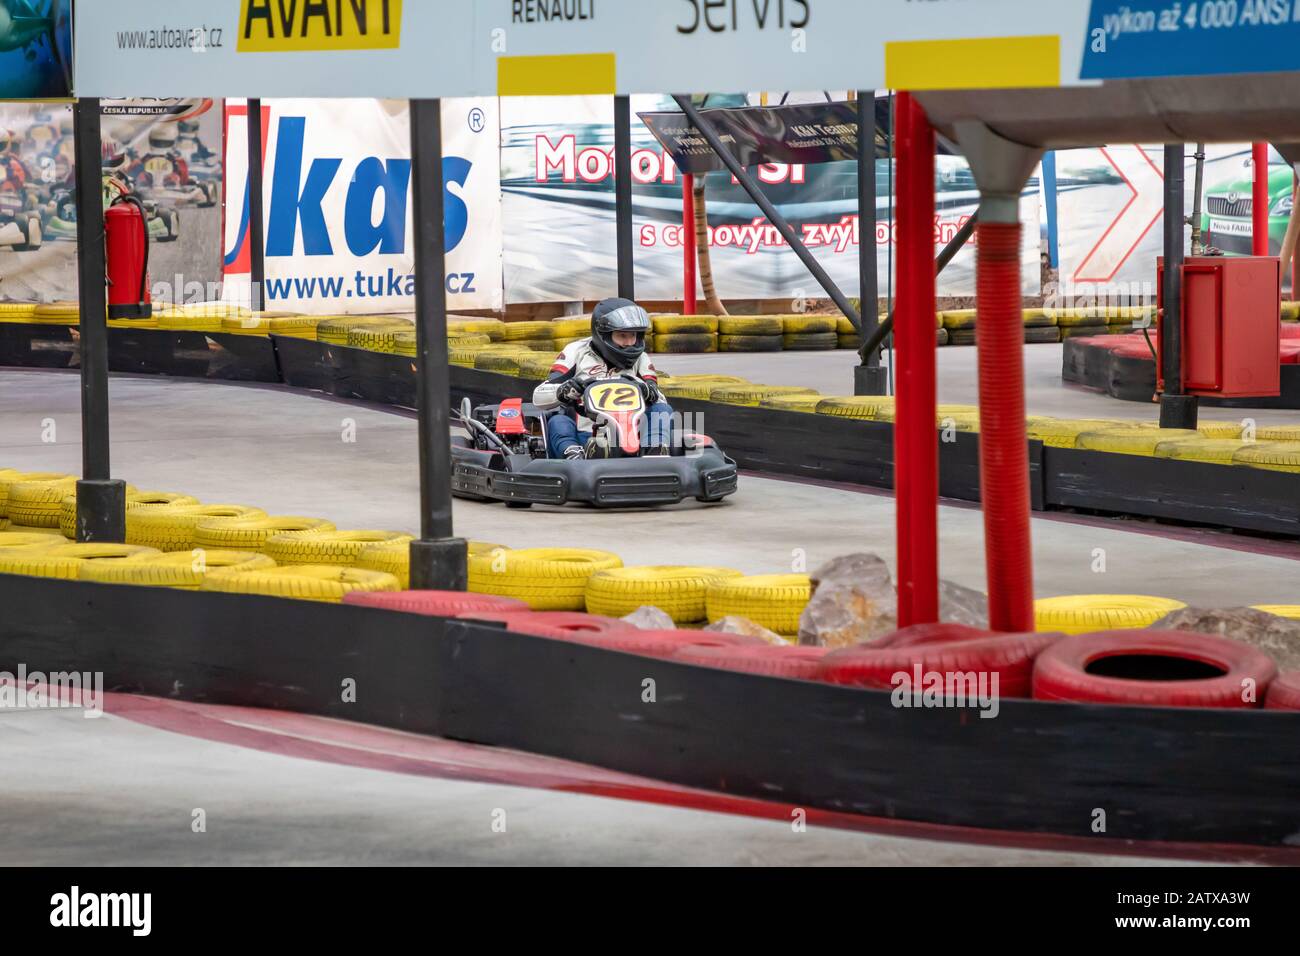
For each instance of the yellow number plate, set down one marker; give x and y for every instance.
(615, 397)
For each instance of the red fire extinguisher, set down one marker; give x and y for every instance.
(126, 254)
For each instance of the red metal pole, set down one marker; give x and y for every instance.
(1004, 455)
(916, 446)
(1259, 201)
(688, 244)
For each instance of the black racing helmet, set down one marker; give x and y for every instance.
(618, 315)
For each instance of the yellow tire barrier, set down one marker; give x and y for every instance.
(10, 476)
(809, 341)
(1217, 451)
(548, 579)
(1272, 456)
(773, 600)
(844, 326)
(1082, 613)
(753, 394)
(866, 407)
(1220, 429)
(571, 327)
(56, 310)
(11, 311)
(65, 560)
(492, 328)
(172, 527)
(1278, 433)
(377, 338)
(677, 590)
(791, 403)
(250, 534)
(394, 557)
(750, 325)
(177, 569)
(134, 499)
(700, 390)
(326, 546)
(496, 362)
(183, 321)
(306, 582)
(682, 324)
(1281, 610)
(462, 357)
(334, 329)
(795, 324)
(1131, 440)
(1063, 432)
(515, 331)
(36, 503)
(467, 340)
(953, 319)
(28, 539)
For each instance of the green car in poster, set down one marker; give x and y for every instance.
(1226, 221)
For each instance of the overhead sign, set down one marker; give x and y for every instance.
(802, 133)
(432, 48)
(1130, 38)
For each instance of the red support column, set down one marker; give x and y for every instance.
(916, 448)
(1259, 201)
(1004, 455)
(688, 244)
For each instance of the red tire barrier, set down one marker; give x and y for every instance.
(563, 624)
(1010, 656)
(800, 663)
(919, 635)
(1284, 692)
(1117, 660)
(666, 643)
(436, 603)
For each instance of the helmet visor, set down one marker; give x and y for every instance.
(632, 318)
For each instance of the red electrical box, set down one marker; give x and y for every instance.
(1230, 325)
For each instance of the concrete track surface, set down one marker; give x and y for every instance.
(122, 789)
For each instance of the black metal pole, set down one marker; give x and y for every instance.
(438, 560)
(101, 502)
(623, 195)
(869, 378)
(945, 256)
(1177, 410)
(256, 243)
(775, 218)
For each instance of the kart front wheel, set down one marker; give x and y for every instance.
(31, 228)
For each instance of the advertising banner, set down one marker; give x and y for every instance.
(558, 201)
(337, 205)
(556, 47)
(1110, 203)
(166, 152)
(797, 133)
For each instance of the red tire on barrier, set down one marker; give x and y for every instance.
(793, 661)
(1153, 669)
(1283, 692)
(1010, 656)
(919, 635)
(665, 643)
(435, 603)
(564, 624)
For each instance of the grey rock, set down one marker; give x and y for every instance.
(1278, 637)
(650, 618)
(735, 624)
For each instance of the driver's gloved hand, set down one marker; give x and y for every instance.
(650, 391)
(569, 393)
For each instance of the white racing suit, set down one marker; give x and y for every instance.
(580, 360)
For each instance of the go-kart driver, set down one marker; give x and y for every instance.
(616, 347)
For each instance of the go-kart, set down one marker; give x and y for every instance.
(161, 180)
(20, 227)
(60, 213)
(503, 456)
